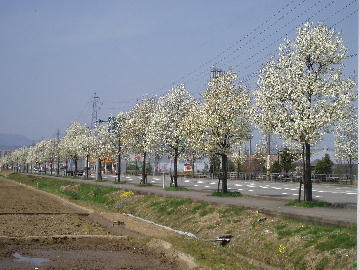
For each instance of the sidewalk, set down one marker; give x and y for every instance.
(318, 215)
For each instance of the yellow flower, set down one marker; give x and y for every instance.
(126, 194)
(282, 248)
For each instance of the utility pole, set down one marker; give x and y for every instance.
(268, 137)
(94, 121)
(249, 161)
(58, 152)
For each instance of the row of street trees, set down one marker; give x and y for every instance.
(301, 95)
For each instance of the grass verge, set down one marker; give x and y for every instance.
(176, 189)
(144, 185)
(309, 204)
(279, 242)
(227, 194)
(119, 183)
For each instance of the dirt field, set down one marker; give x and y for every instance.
(40, 232)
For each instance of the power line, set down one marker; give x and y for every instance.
(252, 74)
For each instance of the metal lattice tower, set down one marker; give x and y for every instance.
(216, 72)
(95, 109)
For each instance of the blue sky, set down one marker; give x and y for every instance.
(55, 54)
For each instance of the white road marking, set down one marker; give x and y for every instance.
(284, 193)
(157, 179)
(295, 194)
(196, 185)
(200, 182)
(207, 186)
(187, 181)
(317, 196)
(351, 193)
(240, 189)
(238, 185)
(251, 190)
(212, 183)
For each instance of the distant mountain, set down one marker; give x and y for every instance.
(13, 141)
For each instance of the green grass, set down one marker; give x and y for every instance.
(85, 192)
(260, 241)
(231, 212)
(309, 204)
(199, 206)
(176, 189)
(100, 180)
(144, 185)
(227, 194)
(119, 183)
(206, 212)
(342, 240)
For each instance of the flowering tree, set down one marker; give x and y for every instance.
(51, 152)
(302, 92)
(40, 152)
(346, 140)
(86, 146)
(69, 144)
(166, 131)
(222, 121)
(31, 157)
(105, 145)
(238, 155)
(136, 129)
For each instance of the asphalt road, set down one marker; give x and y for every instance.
(333, 193)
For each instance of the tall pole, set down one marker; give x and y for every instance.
(249, 161)
(58, 152)
(268, 136)
(94, 120)
(119, 160)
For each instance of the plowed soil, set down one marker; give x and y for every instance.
(39, 232)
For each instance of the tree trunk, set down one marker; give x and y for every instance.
(87, 167)
(136, 167)
(224, 161)
(268, 158)
(51, 168)
(156, 167)
(303, 174)
(118, 167)
(45, 168)
(307, 175)
(175, 167)
(193, 167)
(58, 167)
(98, 169)
(76, 167)
(143, 172)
